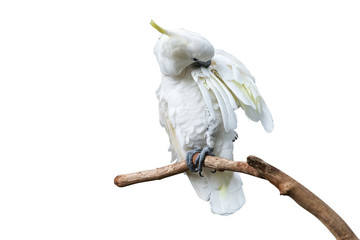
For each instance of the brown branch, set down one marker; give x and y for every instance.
(258, 168)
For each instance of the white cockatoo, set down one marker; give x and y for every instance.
(200, 89)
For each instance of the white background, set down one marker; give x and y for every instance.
(78, 107)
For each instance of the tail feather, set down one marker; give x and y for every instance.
(200, 185)
(222, 189)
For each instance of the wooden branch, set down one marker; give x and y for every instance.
(304, 197)
(217, 163)
(257, 168)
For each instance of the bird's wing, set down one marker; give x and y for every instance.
(234, 87)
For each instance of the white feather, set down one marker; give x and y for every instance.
(205, 93)
(240, 93)
(228, 195)
(233, 87)
(196, 107)
(225, 89)
(222, 104)
(201, 185)
(266, 118)
(230, 117)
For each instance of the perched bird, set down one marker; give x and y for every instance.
(200, 89)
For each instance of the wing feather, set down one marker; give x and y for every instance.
(228, 100)
(199, 78)
(233, 87)
(225, 90)
(221, 103)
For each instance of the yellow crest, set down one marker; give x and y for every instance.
(157, 27)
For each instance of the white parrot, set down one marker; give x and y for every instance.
(200, 89)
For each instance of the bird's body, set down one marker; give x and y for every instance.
(183, 106)
(182, 103)
(196, 107)
(182, 113)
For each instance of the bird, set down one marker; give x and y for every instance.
(200, 89)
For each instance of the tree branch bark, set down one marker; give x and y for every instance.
(257, 168)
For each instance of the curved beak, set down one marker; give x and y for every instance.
(203, 64)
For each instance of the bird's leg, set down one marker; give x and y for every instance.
(199, 161)
(189, 159)
(208, 150)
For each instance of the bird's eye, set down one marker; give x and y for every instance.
(195, 59)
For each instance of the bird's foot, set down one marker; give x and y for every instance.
(189, 159)
(199, 161)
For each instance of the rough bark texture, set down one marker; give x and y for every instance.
(304, 197)
(258, 168)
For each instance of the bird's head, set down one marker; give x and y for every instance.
(178, 49)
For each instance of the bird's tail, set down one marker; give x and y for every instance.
(222, 189)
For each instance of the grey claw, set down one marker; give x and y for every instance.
(199, 161)
(201, 157)
(189, 156)
(235, 136)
